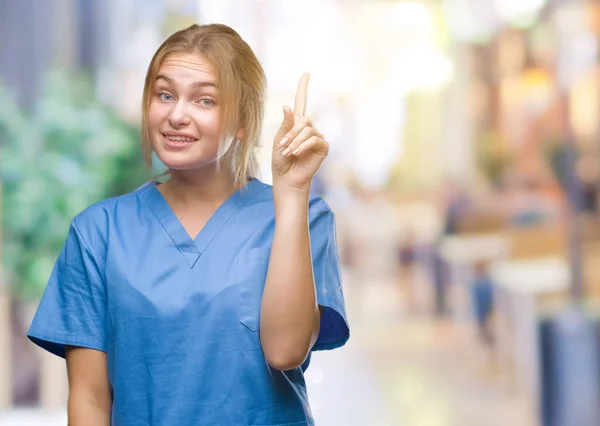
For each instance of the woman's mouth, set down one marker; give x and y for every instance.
(177, 141)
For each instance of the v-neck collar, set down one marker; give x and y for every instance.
(192, 248)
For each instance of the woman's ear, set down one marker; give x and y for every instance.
(240, 135)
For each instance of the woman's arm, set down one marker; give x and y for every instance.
(90, 400)
(290, 317)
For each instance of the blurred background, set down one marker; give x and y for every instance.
(464, 173)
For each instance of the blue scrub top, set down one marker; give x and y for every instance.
(179, 317)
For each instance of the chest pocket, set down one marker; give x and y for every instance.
(251, 276)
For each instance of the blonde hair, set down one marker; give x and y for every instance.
(241, 82)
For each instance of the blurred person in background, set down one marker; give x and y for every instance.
(406, 258)
(454, 205)
(197, 299)
(588, 172)
(482, 295)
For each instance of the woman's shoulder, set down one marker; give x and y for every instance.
(100, 216)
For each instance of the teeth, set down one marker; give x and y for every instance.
(180, 138)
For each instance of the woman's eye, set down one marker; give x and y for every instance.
(165, 97)
(207, 102)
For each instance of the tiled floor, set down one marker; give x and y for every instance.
(32, 417)
(408, 371)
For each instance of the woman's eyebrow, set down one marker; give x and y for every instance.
(193, 85)
(203, 84)
(164, 77)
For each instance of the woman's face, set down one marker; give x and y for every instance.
(183, 115)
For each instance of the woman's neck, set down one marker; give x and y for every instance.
(190, 188)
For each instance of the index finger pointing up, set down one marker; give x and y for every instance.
(301, 93)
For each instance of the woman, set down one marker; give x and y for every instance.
(198, 301)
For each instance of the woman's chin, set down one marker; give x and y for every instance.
(184, 162)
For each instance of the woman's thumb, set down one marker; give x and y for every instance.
(287, 123)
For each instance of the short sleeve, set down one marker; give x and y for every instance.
(72, 311)
(334, 331)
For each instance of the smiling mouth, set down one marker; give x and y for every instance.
(179, 139)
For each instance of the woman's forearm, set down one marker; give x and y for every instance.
(90, 398)
(289, 318)
(88, 410)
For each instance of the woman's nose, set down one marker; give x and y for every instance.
(179, 116)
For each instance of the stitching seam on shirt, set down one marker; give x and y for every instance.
(160, 222)
(70, 339)
(232, 213)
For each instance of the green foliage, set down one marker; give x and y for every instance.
(68, 153)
